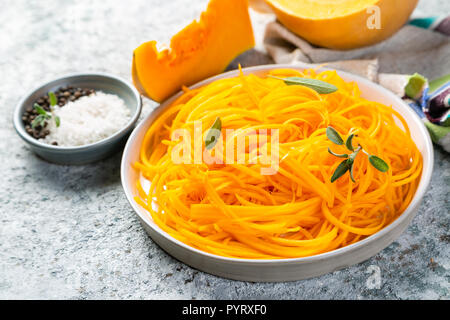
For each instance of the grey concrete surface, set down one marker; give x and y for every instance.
(67, 232)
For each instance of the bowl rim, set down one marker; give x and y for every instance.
(411, 209)
(20, 128)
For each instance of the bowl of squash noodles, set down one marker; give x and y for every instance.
(297, 180)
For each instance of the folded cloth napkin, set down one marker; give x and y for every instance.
(412, 49)
(423, 47)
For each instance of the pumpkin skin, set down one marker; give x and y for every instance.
(200, 50)
(342, 24)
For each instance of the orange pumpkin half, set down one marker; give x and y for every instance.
(343, 24)
(200, 50)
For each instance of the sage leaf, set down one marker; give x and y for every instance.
(53, 100)
(213, 135)
(351, 173)
(334, 136)
(318, 85)
(348, 142)
(340, 170)
(344, 155)
(378, 163)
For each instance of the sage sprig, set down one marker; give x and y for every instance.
(347, 164)
(44, 116)
(318, 85)
(214, 133)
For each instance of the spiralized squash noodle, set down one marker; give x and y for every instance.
(233, 210)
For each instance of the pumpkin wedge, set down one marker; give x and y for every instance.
(343, 24)
(200, 50)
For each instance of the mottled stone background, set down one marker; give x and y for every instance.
(69, 233)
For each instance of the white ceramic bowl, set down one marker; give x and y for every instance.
(285, 269)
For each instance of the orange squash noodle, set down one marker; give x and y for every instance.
(233, 210)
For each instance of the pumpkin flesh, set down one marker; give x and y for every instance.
(200, 50)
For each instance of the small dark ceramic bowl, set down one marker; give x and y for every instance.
(90, 152)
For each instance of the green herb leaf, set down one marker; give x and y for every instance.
(344, 155)
(53, 100)
(378, 163)
(57, 121)
(38, 121)
(340, 170)
(334, 136)
(351, 173)
(39, 109)
(348, 142)
(318, 85)
(213, 135)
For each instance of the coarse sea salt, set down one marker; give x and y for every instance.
(87, 120)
